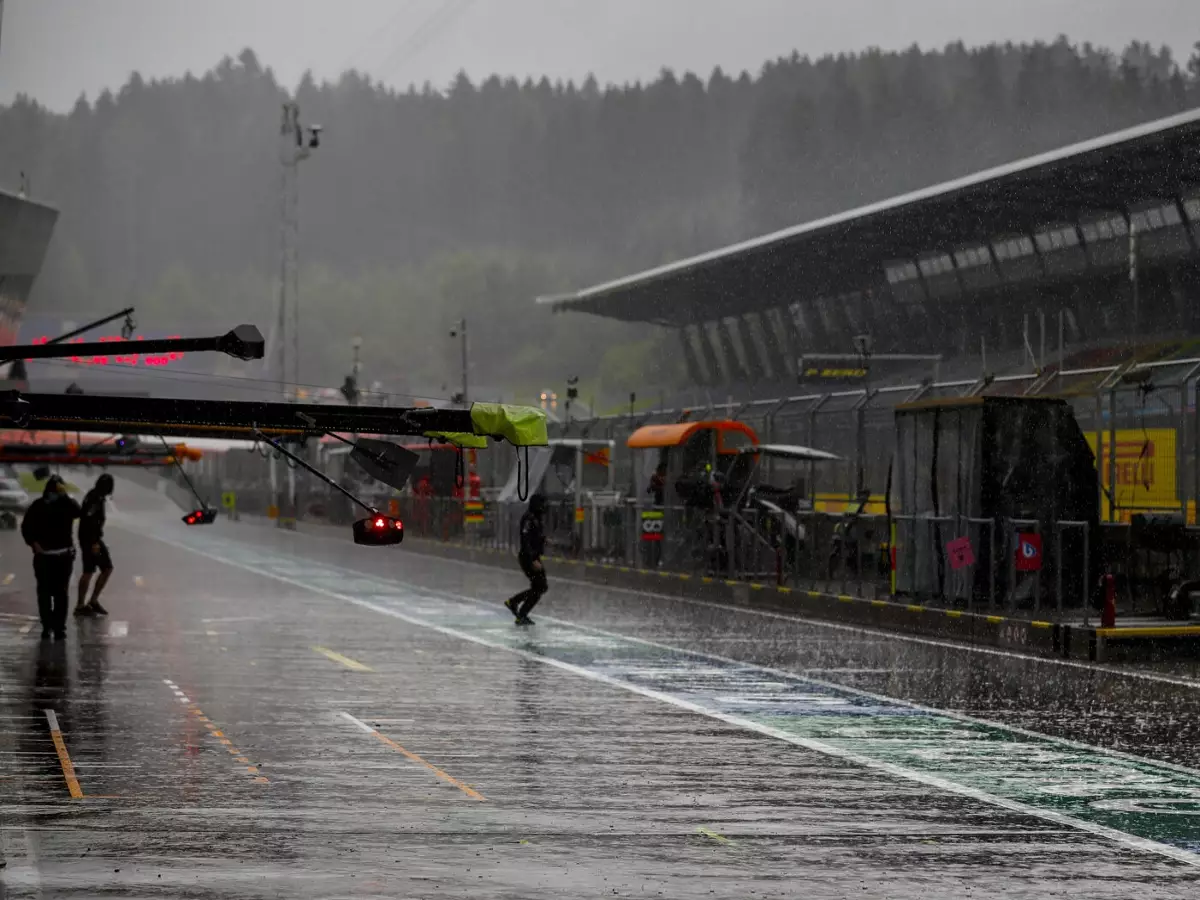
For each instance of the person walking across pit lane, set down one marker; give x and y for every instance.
(533, 545)
(47, 528)
(92, 548)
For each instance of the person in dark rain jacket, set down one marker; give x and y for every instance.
(533, 545)
(47, 529)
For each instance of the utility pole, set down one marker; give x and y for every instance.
(296, 144)
(460, 331)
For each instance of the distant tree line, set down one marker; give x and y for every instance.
(426, 204)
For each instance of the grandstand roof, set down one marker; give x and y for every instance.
(1155, 161)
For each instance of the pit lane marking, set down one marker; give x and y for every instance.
(64, 758)
(218, 735)
(344, 660)
(262, 567)
(408, 754)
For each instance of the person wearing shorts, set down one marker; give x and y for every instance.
(92, 549)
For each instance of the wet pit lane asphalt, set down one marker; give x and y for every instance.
(273, 714)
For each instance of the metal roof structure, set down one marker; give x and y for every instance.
(1156, 161)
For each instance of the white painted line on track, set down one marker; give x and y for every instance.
(799, 618)
(858, 692)
(357, 723)
(815, 745)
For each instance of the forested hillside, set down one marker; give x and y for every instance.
(424, 205)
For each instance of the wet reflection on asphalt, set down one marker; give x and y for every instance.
(246, 736)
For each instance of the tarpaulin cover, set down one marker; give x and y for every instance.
(522, 426)
(988, 469)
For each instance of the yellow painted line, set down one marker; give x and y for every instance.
(755, 586)
(1151, 631)
(995, 620)
(814, 594)
(954, 613)
(195, 710)
(709, 833)
(845, 598)
(915, 608)
(879, 603)
(1037, 624)
(784, 590)
(408, 754)
(344, 660)
(623, 569)
(684, 576)
(64, 759)
(8, 579)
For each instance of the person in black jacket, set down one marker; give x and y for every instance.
(533, 545)
(47, 528)
(92, 548)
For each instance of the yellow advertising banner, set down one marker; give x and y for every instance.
(1145, 470)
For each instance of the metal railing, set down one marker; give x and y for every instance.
(1115, 406)
(863, 555)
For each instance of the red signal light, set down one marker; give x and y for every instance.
(379, 530)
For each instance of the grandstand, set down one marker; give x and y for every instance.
(1024, 266)
(1076, 272)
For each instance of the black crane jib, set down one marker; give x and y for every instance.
(232, 419)
(243, 342)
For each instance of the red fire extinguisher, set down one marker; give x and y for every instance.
(1108, 616)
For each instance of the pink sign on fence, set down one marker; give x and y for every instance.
(961, 553)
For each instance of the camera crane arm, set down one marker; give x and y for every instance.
(243, 342)
(245, 420)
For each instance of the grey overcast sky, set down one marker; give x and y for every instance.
(54, 50)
